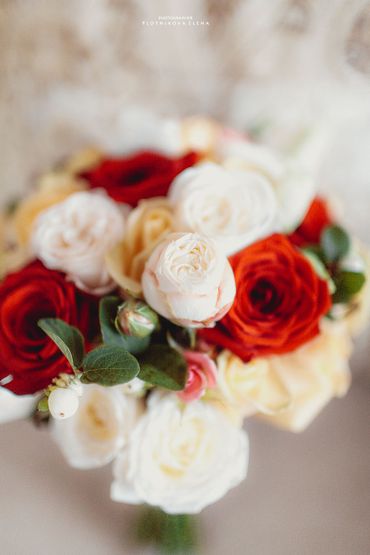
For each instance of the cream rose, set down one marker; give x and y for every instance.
(15, 407)
(53, 188)
(250, 387)
(75, 235)
(180, 458)
(101, 426)
(146, 226)
(313, 375)
(234, 207)
(188, 280)
(293, 186)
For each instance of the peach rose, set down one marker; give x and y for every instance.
(149, 223)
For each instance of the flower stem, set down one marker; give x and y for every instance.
(170, 534)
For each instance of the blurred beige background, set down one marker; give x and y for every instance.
(296, 74)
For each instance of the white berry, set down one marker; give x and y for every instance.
(63, 403)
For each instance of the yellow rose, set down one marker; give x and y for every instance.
(313, 375)
(54, 187)
(84, 160)
(146, 226)
(12, 255)
(250, 387)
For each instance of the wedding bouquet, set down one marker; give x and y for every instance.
(152, 301)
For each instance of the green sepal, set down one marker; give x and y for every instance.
(68, 339)
(109, 365)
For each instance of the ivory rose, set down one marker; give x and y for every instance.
(250, 387)
(75, 235)
(101, 426)
(180, 458)
(53, 188)
(146, 226)
(233, 207)
(293, 186)
(188, 280)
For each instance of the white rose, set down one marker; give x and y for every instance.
(293, 186)
(234, 207)
(75, 235)
(188, 281)
(101, 426)
(15, 407)
(180, 458)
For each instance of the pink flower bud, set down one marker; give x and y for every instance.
(202, 374)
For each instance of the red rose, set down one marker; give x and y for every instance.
(279, 301)
(316, 219)
(26, 353)
(143, 175)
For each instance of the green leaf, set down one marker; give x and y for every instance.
(348, 284)
(68, 338)
(109, 365)
(163, 366)
(335, 243)
(111, 336)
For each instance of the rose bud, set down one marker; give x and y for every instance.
(63, 403)
(189, 281)
(202, 374)
(136, 318)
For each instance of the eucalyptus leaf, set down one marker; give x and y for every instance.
(163, 366)
(109, 365)
(348, 284)
(68, 338)
(335, 243)
(108, 309)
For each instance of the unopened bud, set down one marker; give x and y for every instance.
(63, 403)
(136, 318)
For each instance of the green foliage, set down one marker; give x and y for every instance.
(108, 310)
(163, 366)
(109, 365)
(335, 243)
(68, 338)
(347, 285)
